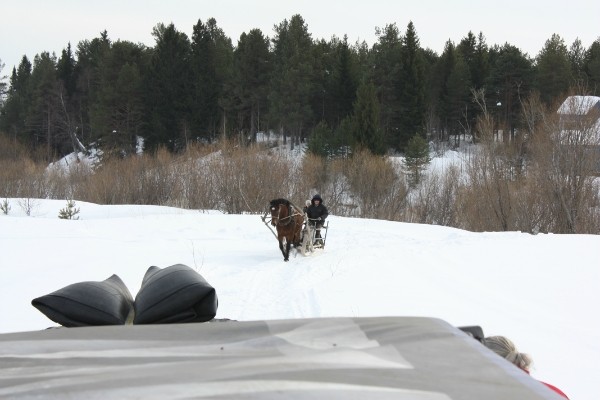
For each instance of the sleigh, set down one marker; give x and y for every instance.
(294, 228)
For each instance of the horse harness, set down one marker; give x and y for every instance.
(289, 218)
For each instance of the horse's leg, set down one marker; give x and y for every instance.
(286, 255)
(281, 247)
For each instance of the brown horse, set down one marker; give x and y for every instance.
(288, 222)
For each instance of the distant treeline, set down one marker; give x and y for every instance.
(332, 93)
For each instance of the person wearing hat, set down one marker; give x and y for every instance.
(317, 213)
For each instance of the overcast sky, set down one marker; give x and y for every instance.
(28, 27)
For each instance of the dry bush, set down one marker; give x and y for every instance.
(532, 213)
(312, 177)
(487, 199)
(262, 178)
(20, 175)
(11, 149)
(234, 178)
(158, 180)
(541, 182)
(564, 164)
(493, 178)
(327, 177)
(198, 186)
(336, 190)
(247, 178)
(61, 184)
(435, 201)
(142, 179)
(566, 186)
(378, 189)
(20, 178)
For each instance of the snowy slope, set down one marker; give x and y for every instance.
(541, 291)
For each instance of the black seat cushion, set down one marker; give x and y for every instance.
(175, 294)
(91, 303)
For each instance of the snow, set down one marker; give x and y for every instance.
(539, 290)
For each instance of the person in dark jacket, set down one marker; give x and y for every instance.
(317, 213)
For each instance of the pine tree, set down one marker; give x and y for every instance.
(342, 140)
(5, 206)
(412, 89)
(252, 66)
(441, 106)
(592, 67)
(293, 80)
(65, 71)
(416, 159)
(318, 143)
(553, 70)
(211, 68)
(90, 58)
(14, 110)
(474, 53)
(344, 81)
(458, 97)
(576, 57)
(41, 119)
(365, 124)
(117, 113)
(168, 94)
(69, 112)
(384, 72)
(70, 211)
(511, 74)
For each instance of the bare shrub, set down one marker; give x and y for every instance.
(378, 189)
(12, 150)
(64, 183)
(531, 208)
(336, 190)
(199, 189)
(233, 178)
(247, 178)
(564, 152)
(142, 179)
(327, 177)
(19, 174)
(27, 204)
(313, 173)
(5, 206)
(495, 175)
(488, 196)
(435, 201)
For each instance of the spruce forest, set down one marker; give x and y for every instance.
(186, 90)
(347, 102)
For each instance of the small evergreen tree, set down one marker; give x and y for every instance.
(416, 158)
(5, 207)
(319, 140)
(343, 141)
(69, 212)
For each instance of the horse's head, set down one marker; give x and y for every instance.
(279, 209)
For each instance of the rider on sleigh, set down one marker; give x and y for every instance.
(317, 213)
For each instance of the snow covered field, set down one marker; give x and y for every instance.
(541, 291)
